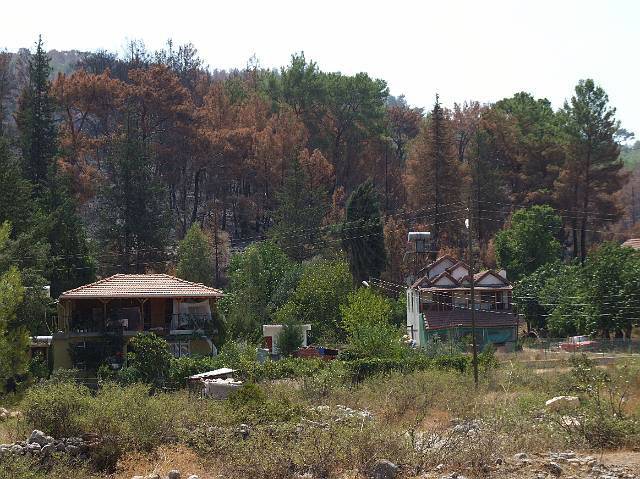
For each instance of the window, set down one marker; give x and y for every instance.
(442, 301)
(180, 349)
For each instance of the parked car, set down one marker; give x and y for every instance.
(578, 343)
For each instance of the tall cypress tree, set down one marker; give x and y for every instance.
(363, 234)
(70, 263)
(35, 120)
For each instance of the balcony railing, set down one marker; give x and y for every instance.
(189, 322)
(175, 322)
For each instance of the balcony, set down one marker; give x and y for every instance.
(80, 326)
(188, 323)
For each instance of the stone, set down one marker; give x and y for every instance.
(153, 475)
(384, 470)
(193, 476)
(47, 449)
(17, 449)
(173, 474)
(37, 437)
(137, 477)
(521, 456)
(563, 403)
(71, 449)
(554, 468)
(244, 431)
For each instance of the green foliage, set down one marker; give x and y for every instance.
(300, 212)
(149, 356)
(35, 121)
(14, 340)
(134, 220)
(57, 408)
(599, 298)
(612, 288)
(604, 422)
(125, 418)
(324, 286)
(195, 257)
(290, 339)
(255, 288)
(367, 320)
(363, 235)
(529, 242)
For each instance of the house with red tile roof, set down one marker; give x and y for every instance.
(632, 243)
(439, 304)
(95, 321)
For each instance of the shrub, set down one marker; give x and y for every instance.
(126, 418)
(57, 408)
(290, 339)
(367, 319)
(150, 356)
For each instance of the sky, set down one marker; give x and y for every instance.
(464, 50)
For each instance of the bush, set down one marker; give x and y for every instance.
(126, 418)
(57, 408)
(150, 357)
(367, 319)
(290, 339)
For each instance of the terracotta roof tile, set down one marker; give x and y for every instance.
(632, 243)
(142, 286)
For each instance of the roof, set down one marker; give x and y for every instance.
(632, 243)
(142, 286)
(439, 260)
(462, 318)
(213, 374)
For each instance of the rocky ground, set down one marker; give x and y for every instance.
(569, 465)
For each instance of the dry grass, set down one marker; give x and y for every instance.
(162, 460)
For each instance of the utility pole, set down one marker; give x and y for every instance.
(473, 299)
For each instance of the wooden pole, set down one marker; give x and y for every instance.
(473, 299)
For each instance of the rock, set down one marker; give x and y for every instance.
(153, 475)
(3, 416)
(439, 467)
(174, 474)
(137, 477)
(570, 421)
(499, 461)
(17, 449)
(193, 476)
(521, 456)
(47, 449)
(71, 449)
(15, 414)
(243, 430)
(37, 437)
(33, 448)
(554, 468)
(384, 470)
(563, 403)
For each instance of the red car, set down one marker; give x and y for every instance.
(578, 343)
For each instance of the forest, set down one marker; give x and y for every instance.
(130, 162)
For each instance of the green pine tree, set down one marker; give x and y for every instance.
(363, 235)
(299, 215)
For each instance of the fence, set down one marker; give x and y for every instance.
(595, 346)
